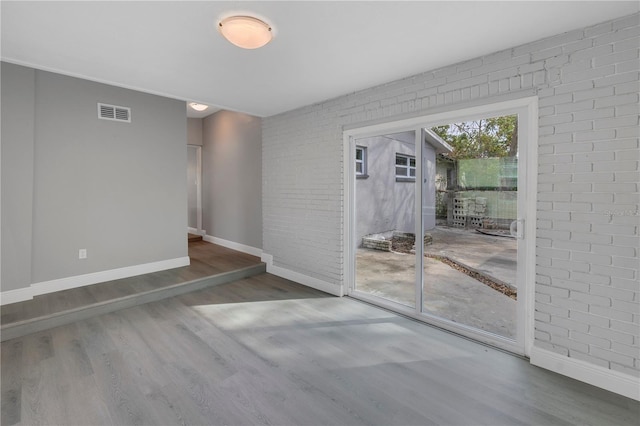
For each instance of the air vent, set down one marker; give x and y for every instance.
(113, 112)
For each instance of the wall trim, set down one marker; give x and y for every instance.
(614, 381)
(254, 251)
(336, 290)
(15, 296)
(196, 232)
(44, 287)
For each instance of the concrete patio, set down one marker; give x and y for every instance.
(449, 293)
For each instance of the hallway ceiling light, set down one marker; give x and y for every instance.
(245, 31)
(197, 106)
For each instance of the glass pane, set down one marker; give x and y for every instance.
(385, 222)
(401, 161)
(412, 162)
(358, 168)
(358, 154)
(412, 172)
(470, 200)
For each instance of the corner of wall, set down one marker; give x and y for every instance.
(336, 290)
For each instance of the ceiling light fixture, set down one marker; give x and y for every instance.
(197, 106)
(245, 31)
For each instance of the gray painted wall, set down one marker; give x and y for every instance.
(18, 104)
(232, 177)
(194, 131)
(192, 186)
(115, 189)
(194, 137)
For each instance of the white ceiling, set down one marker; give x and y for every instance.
(321, 50)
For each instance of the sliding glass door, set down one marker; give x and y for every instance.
(436, 208)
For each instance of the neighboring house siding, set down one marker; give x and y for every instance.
(587, 296)
(382, 203)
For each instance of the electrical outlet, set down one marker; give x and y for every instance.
(82, 254)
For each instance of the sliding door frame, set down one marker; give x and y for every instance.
(527, 110)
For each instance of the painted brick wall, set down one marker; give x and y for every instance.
(587, 291)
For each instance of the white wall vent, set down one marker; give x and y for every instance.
(113, 112)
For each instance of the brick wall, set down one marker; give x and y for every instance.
(587, 292)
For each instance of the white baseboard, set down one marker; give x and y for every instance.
(233, 245)
(44, 287)
(266, 258)
(301, 278)
(14, 296)
(195, 231)
(595, 375)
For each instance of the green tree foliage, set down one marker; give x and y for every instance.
(486, 138)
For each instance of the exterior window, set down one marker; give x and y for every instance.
(361, 162)
(405, 166)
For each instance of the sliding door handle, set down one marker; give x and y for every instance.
(516, 229)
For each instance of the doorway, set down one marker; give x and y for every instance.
(194, 190)
(440, 220)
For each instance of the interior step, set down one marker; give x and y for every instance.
(194, 237)
(45, 322)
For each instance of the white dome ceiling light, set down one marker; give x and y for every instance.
(245, 31)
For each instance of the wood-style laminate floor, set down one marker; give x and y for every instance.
(266, 351)
(206, 260)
